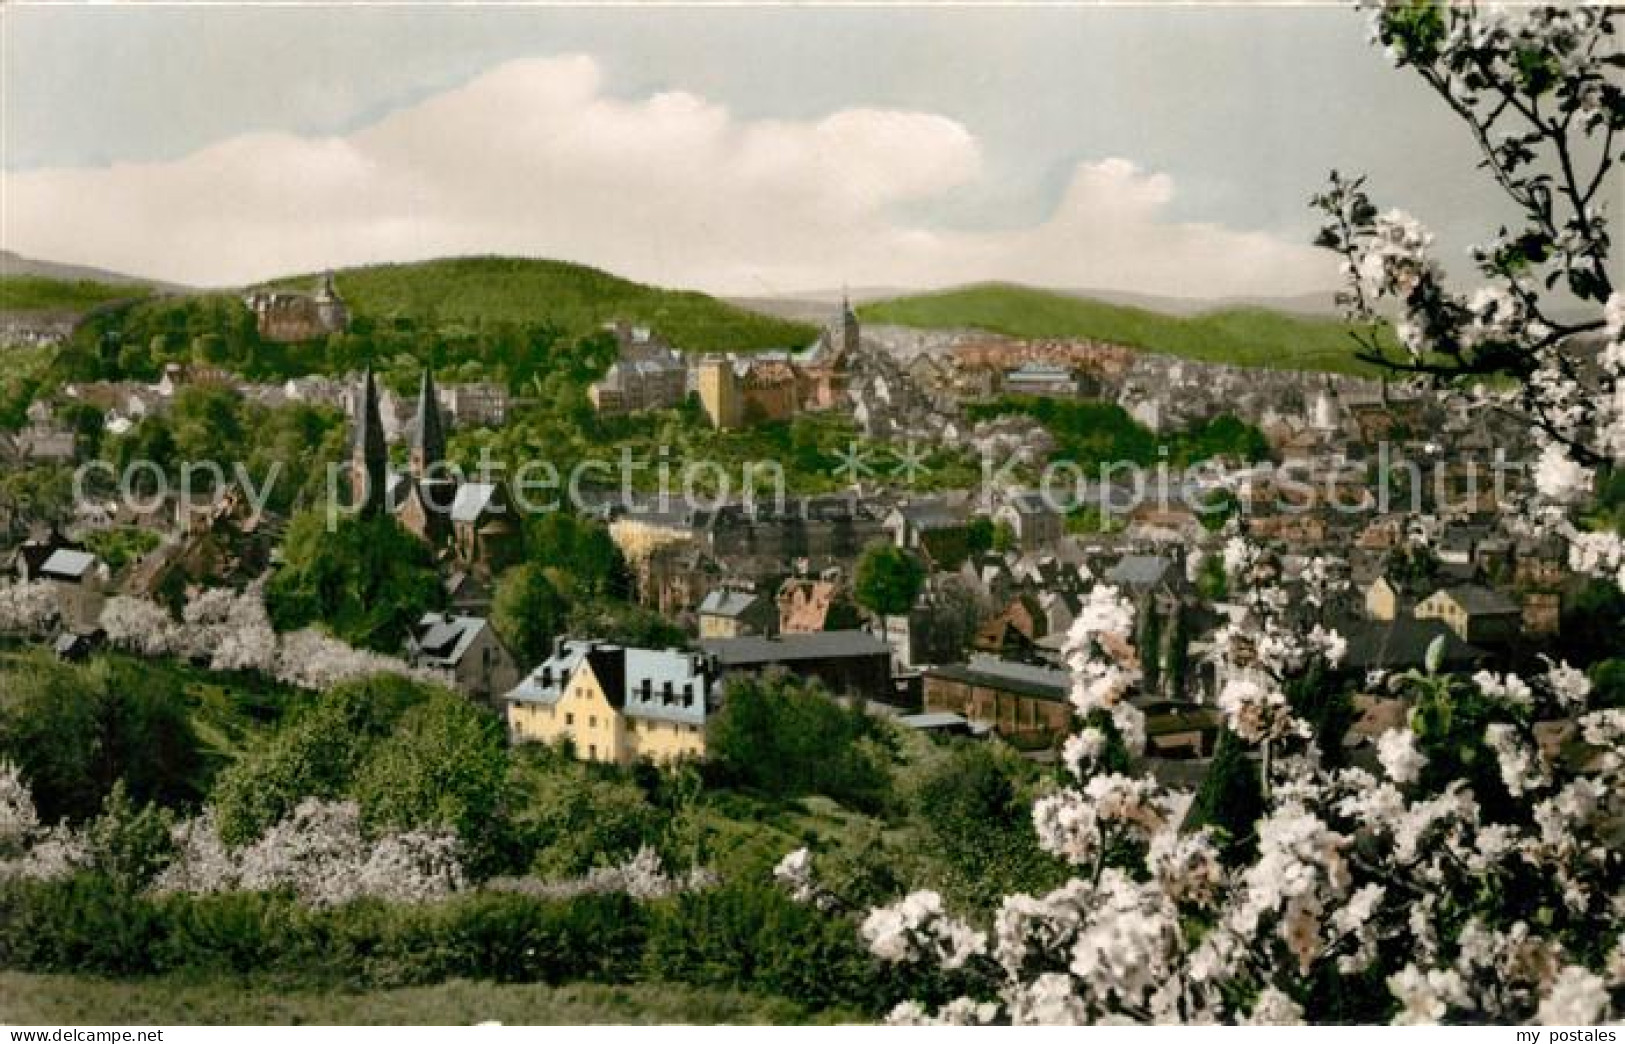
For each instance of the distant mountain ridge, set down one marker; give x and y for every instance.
(14, 264)
(1288, 334)
(820, 302)
(1239, 335)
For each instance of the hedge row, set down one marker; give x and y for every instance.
(737, 937)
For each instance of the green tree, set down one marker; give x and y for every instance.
(1211, 582)
(1593, 623)
(411, 755)
(1608, 683)
(976, 805)
(1231, 799)
(77, 731)
(626, 624)
(129, 845)
(786, 738)
(1148, 640)
(1176, 667)
(444, 764)
(1004, 536)
(1326, 702)
(528, 612)
(208, 425)
(888, 580)
(979, 534)
(367, 579)
(581, 550)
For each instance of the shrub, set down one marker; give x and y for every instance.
(787, 738)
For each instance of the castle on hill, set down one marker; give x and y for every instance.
(285, 317)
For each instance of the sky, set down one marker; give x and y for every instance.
(760, 151)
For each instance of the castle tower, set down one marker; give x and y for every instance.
(369, 454)
(331, 314)
(849, 327)
(719, 391)
(429, 439)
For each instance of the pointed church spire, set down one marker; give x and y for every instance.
(429, 438)
(369, 457)
(849, 323)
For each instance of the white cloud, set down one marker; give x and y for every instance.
(534, 158)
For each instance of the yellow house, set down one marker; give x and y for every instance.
(1477, 614)
(1382, 599)
(615, 704)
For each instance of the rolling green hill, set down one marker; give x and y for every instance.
(575, 297)
(32, 293)
(1238, 336)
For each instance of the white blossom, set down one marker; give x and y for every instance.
(1274, 1008)
(918, 927)
(140, 626)
(28, 608)
(1401, 758)
(1577, 998)
(1426, 997)
(1521, 768)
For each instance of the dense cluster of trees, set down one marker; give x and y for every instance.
(363, 577)
(787, 739)
(77, 732)
(1091, 433)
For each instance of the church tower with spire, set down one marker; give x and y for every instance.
(428, 436)
(369, 454)
(849, 327)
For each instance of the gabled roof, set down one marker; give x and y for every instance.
(758, 651)
(1029, 503)
(656, 684)
(1400, 643)
(726, 602)
(446, 638)
(992, 672)
(929, 516)
(1481, 601)
(1139, 571)
(70, 565)
(473, 499)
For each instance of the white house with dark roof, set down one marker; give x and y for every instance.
(467, 650)
(731, 613)
(80, 580)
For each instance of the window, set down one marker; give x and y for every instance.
(569, 719)
(592, 751)
(592, 722)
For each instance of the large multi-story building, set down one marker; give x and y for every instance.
(616, 704)
(299, 317)
(647, 375)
